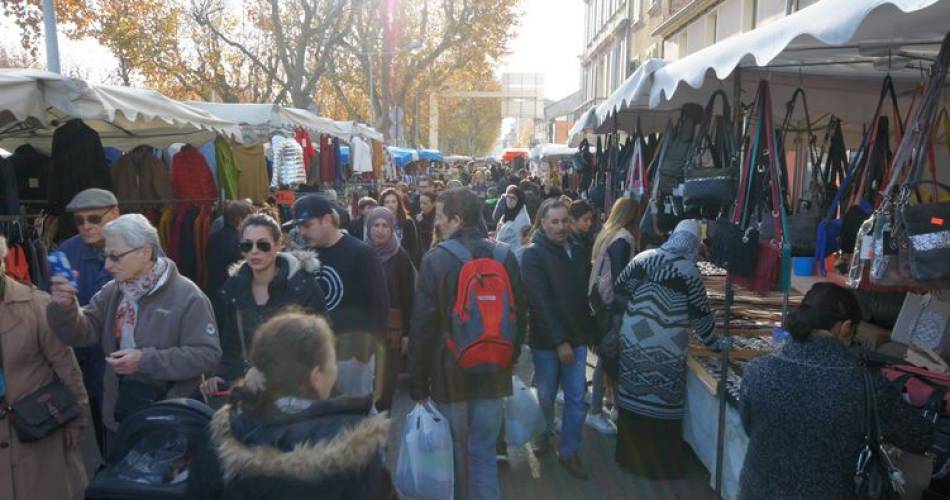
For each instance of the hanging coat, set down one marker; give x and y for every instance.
(140, 175)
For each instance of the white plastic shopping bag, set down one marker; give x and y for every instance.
(424, 469)
(524, 420)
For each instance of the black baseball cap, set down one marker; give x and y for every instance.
(309, 207)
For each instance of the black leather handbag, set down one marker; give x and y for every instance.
(713, 165)
(41, 412)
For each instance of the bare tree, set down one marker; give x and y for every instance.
(305, 35)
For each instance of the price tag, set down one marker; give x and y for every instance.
(285, 197)
(867, 247)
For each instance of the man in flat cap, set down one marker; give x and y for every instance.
(92, 209)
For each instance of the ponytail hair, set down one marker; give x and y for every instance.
(825, 305)
(285, 350)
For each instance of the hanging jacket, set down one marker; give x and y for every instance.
(140, 175)
(191, 175)
(288, 163)
(32, 172)
(251, 162)
(306, 145)
(9, 196)
(228, 171)
(78, 163)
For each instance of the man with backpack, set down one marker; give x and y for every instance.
(554, 270)
(468, 325)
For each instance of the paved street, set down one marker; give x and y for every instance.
(526, 477)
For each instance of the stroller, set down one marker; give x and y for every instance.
(154, 451)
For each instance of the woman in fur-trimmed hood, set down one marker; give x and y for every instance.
(282, 437)
(265, 283)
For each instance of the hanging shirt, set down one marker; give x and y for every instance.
(361, 156)
(252, 182)
(228, 172)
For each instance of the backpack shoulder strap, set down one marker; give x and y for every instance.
(457, 249)
(500, 252)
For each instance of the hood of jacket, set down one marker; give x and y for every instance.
(333, 448)
(295, 261)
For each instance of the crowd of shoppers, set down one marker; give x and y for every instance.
(305, 329)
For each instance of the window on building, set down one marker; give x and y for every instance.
(749, 14)
(636, 12)
(712, 19)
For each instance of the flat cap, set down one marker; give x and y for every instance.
(92, 198)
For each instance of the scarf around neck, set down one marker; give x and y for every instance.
(387, 250)
(132, 293)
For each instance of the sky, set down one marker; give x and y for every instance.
(549, 40)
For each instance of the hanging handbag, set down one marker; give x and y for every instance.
(41, 412)
(829, 237)
(637, 182)
(875, 477)
(808, 205)
(712, 168)
(773, 262)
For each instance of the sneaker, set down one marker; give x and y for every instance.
(601, 423)
(574, 467)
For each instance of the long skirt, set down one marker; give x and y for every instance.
(650, 447)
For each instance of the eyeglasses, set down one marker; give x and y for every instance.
(116, 258)
(94, 219)
(262, 245)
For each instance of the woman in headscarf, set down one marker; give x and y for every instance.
(405, 229)
(401, 281)
(514, 218)
(663, 298)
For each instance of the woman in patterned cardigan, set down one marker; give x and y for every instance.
(663, 298)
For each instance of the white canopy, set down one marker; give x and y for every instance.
(550, 151)
(259, 120)
(33, 103)
(837, 50)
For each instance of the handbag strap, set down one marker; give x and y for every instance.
(702, 141)
(240, 329)
(778, 204)
(814, 154)
(747, 172)
(914, 143)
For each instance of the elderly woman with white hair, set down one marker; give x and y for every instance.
(33, 359)
(156, 327)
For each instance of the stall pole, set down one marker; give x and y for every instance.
(52, 43)
(725, 344)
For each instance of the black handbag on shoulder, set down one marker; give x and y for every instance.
(41, 412)
(875, 477)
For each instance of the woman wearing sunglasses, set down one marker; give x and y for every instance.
(266, 282)
(156, 327)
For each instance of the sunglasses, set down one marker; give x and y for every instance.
(94, 219)
(116, 258)
(262, 245)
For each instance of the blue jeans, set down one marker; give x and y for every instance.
(475, 427)
(548, 374)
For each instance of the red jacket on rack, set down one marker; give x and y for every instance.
(191, 176)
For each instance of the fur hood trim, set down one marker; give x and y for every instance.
(349, 450)
(296, 260)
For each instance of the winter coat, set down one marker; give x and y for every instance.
(140, 175)
(32, 358)
(295, 284)
(433, 370)
(191, 176)
(9, 196)
(288, 163)
(409, 239)
(32, 172)
(803, 409)
(401, 283)
(221, 253)
(510, 232)
(78, 162)
(556, 289)
(175, 331)
(330, 450)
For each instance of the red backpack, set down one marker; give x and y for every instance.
(484, 322)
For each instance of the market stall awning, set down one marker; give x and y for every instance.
(843, 39)
(402, 156)
(551, 151)
(260, 120)
(34, 102)
(430, 155)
